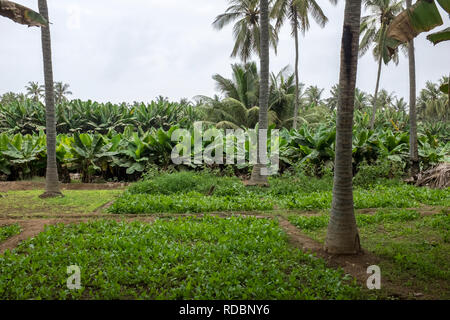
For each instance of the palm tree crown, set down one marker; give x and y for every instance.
(374, 27)
(35, 91)
(246, 30)
(61, 91)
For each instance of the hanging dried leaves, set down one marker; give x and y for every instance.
(21, 14)
(422, 16)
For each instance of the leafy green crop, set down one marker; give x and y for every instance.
(189, 258)
(9, 231)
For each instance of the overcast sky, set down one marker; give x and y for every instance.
(135, 50)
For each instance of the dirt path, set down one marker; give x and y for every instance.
(32, 185)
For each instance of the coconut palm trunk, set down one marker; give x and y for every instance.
(342, 235)
(296, 102)
(413, 144)
(375, 96)
(52, 183)
(259, 173)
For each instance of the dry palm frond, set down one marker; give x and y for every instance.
(437, 177)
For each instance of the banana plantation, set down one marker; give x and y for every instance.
(95, 203)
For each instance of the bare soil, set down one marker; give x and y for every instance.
(32, 185)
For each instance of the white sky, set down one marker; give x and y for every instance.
(135, 50)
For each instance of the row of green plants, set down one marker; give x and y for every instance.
(127, 155)
(191, 192)
(237, 107)
(27, 116)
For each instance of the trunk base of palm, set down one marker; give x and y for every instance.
(257, 179)
(51, 194)
(351, 246)
(415, 168)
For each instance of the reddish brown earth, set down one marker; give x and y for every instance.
(31, 185)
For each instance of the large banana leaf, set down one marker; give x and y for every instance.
(422, 16)
(443, 35)
(21, 14)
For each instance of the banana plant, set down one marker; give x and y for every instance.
(134, 154)
(421, 17)
(24, 153)
(4, 163)
(364, 147)
(393, 146)
(315, 148)
(88, 151)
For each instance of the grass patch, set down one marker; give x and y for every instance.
(18, 203)
(189, 192)
(9, 231)
(415, 250)
(187, 258)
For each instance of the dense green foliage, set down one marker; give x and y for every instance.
(9, 231)
(28, 116)
(126, 155)
(191, 258)
(188, 192)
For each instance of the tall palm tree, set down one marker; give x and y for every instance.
(413, 143)
(244, 85)
(374, 29)
(297, 12)
(240, 107)
(342, 235)
(432, 104)
(61, 91)
(400, 105)
(52, 183)
(34, 91)
(313, 95)
(246, 30)
(259, 174)
(361, 99)
(282, 92)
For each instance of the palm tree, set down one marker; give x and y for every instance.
(361, 99)
(374, 29)
(34, 91)
(385, 99)
(240, 107)
(399, 105)
(52, 183)
(282, 92)
(259, 173)
(413, 143)
(297, 12)
(432, 104)
(313, 96)
(61, 91)
(246, 30)
(244, 85)
(342, 235)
